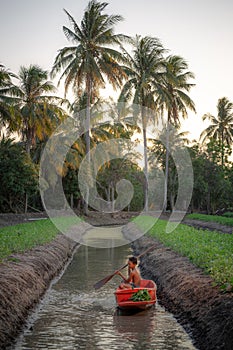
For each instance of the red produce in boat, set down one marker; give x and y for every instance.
(124, 297)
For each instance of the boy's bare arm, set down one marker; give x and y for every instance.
(120, 274)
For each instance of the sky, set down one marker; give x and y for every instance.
(200, 31)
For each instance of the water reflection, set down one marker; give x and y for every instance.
(104, 237)
(151, 329)
(135, 326)
(75, 316)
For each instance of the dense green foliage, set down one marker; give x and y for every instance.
(18, 176)
(211, 251)
(215, 218)
(213, 184)
(112, 173)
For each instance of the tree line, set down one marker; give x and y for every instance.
(145, 75)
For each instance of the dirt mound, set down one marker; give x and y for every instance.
(24, 281)
(208, 225)
(106, 219)
(185, 291)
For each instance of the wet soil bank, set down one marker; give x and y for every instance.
(208, 225)
(24, 281)
(185, 291)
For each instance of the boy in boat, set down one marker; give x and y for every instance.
(134, 279)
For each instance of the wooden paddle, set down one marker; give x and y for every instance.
(102, 282)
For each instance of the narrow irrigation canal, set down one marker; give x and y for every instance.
(75, 316)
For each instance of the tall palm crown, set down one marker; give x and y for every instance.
(173, 96)
(143, 69)
(92, 57)
(37, 113)
(7, 88)
(221, 126)
(5, 76)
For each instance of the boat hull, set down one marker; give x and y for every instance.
(123, 296)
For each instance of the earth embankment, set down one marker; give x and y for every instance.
(185, 291)
(25, 279)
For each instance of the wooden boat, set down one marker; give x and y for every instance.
(123, 296)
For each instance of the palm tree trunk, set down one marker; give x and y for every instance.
(208, 202)
(88, 117)
(145, 160)
(166, 180)
(109, 194)
(166, 168)
(26, 203)
(172, 201)
(222, 150)
(28, 141)
(72, 200)
(112, 198)
(87, 137)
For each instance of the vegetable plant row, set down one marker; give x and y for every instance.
(215, 218)
(22, 237)
(209, 250)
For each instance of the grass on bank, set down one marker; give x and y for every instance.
(22, 237)
(211, 251)
(215, 218)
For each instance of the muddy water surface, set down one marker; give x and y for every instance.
(75, 316)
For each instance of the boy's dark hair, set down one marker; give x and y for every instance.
(133, 259)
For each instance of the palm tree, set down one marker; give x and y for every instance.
(36, 114)
(143, 70)
(158, 151)
(92, 57)
(6, 89)
(174, 99)
(220, 129)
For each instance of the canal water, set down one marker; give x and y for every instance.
(73, 315)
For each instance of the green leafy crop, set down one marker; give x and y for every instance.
(141, 295)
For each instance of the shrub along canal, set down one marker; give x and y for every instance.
(73, 315)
